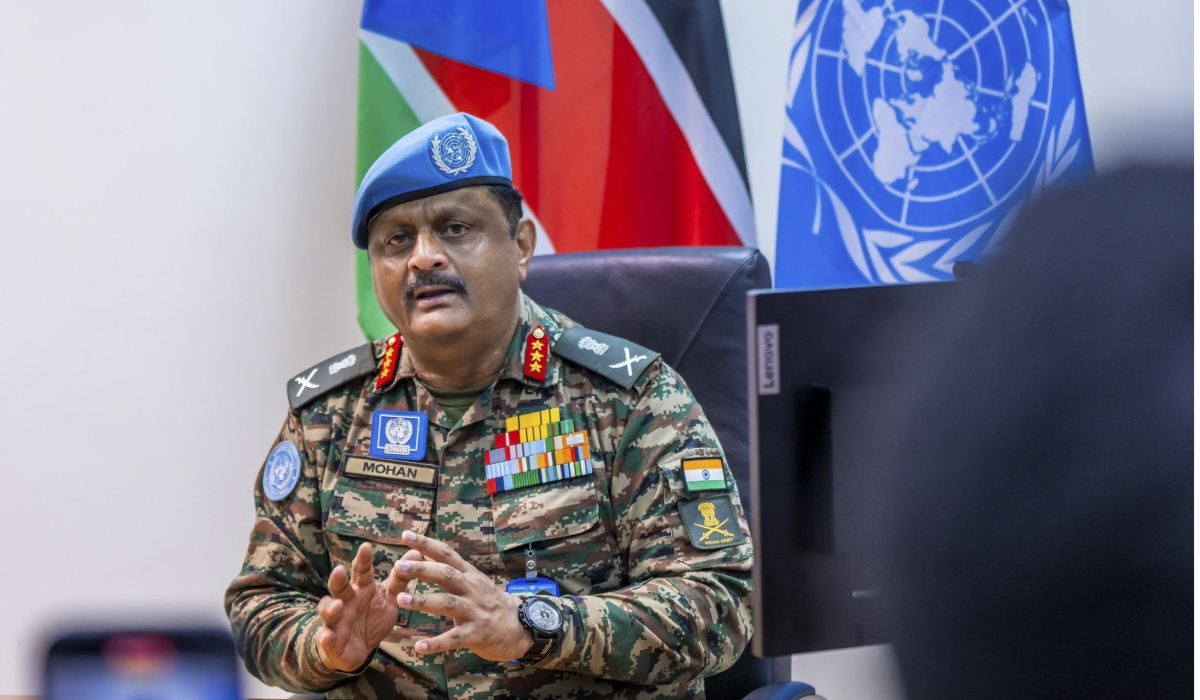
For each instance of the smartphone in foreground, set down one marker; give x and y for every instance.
(142, 665)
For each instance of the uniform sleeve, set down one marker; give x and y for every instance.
(686, 612)
(272, 604)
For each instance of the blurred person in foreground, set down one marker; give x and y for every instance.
(1040, 527)
(423, 486)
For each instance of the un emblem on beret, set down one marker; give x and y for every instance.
(453, 153)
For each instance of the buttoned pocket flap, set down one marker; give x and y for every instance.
(545, 512)
(377, 510)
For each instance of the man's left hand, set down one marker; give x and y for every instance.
(485, 617)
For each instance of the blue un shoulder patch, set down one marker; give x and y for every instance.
(282, 471)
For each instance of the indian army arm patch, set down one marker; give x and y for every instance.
(330, 374)
(711, 522)
(388, 470)
(611, 357)
(704, 474)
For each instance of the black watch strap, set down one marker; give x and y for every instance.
(540, 649)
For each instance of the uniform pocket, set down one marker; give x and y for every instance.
(545, 512)
(561, 521)
(379, 511)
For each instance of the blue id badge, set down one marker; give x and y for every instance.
(399, 435)
(532, 586)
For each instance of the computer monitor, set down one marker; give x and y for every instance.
(821, 362)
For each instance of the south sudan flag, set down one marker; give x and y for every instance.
(620, 114)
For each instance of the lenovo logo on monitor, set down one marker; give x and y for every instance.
(768, 359)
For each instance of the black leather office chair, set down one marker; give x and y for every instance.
(690, 305)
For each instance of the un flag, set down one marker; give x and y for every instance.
(915, 129)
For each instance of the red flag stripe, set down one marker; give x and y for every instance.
(601, 160)
(681, 98)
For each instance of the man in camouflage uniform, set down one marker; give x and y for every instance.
(488, 443)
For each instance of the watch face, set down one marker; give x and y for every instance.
(543, 615)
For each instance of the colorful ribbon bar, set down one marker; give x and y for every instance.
(537, 461)
(537, 432)
(534, 418)
(536, 448)
(534, 477)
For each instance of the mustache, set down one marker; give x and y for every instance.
(432, 279)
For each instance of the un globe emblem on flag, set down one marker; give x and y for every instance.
(915, 127)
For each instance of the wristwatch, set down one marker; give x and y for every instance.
(544, 620)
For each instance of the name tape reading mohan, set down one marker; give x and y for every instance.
(406, 472)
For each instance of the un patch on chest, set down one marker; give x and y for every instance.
(388, 470)
(711, 523)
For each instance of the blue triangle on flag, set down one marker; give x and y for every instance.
(510, 38)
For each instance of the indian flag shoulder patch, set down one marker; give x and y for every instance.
(704, 474)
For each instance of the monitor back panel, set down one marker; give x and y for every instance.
(824, 367)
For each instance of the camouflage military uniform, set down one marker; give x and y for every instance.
(647, 614)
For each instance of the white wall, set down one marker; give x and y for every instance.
(175, 186)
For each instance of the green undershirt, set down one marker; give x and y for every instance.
(455, 403)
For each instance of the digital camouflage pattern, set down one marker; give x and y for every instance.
(648, 615)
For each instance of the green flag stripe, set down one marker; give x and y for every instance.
(383, 117)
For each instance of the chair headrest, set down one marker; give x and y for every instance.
(687, 303)
(661, 298)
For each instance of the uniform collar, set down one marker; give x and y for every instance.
(532, 316)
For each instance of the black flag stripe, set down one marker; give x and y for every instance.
(696, 31)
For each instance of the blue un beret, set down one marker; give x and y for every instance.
(455, 151)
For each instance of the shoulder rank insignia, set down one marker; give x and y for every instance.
(390, 362)
(614, 358)
(711, 522)
(536, 350)
(330, 374)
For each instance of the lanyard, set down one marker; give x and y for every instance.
(530, 563)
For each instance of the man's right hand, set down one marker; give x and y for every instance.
(359, 613)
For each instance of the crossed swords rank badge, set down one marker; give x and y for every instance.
(330, 374)
(613, 358)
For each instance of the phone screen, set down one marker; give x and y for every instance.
(143, 666)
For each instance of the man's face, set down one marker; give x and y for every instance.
(444, 264)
